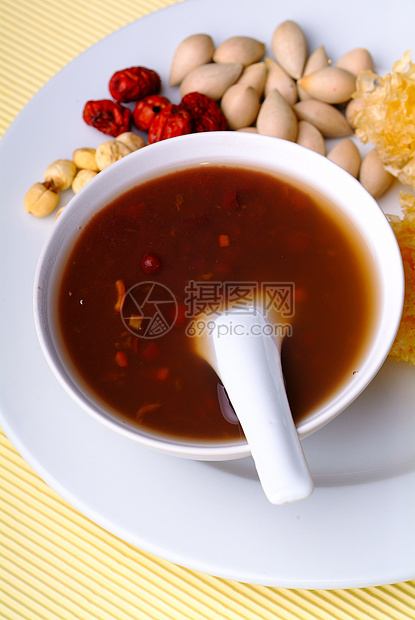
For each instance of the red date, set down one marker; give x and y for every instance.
(205, 112)
(107, 116)
(172, 121)
(134, 83)
(146, 110)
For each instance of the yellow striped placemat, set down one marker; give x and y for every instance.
(54, 562)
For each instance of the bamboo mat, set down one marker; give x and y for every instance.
(54, 562)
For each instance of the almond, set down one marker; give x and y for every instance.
(279, 79)
(346, 155)
(240, 105)
(317, 60)
(276, 118)
(289, 47)
(193, 51)
(328, 119)
(245, 50)
(330, 84)
(212, 79)
(356, 60)
(352, 107)
(311, 138)
(255, 76)
(373, 176)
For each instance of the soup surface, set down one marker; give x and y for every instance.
(149, 263)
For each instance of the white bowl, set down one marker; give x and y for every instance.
(233, 148)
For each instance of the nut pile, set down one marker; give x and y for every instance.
(296, 96)
(43, 197)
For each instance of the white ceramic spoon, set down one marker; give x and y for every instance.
(248, 362)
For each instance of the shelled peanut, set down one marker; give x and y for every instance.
(296, 96)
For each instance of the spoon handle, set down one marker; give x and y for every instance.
(249, 365)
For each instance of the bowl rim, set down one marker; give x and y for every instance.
(233, 148)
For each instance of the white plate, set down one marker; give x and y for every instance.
(357, 528)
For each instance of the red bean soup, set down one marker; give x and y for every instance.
(145, 267)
